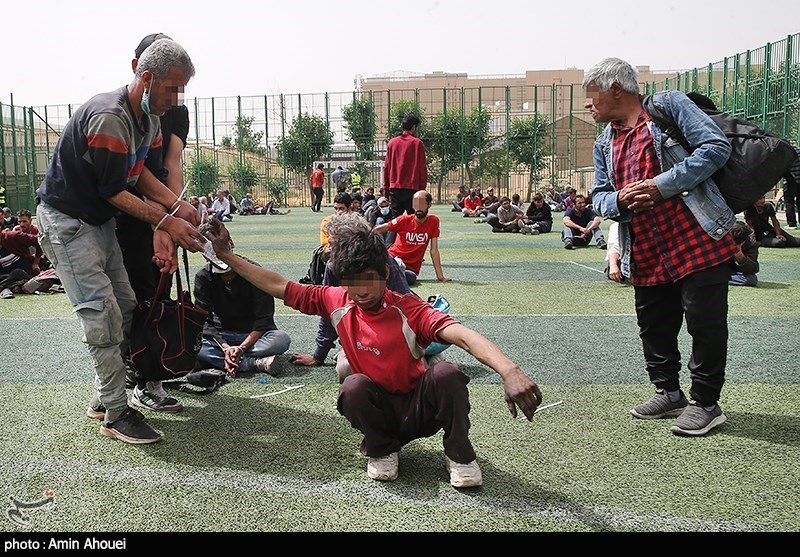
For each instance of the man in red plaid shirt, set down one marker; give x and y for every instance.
(674, 238)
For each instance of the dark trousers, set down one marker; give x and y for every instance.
(702, 298)
(389, 421)
(316, 203)
(791, 197)
(400, 201)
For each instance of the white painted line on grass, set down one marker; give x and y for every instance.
(587, 267)
(546, 406)
(278, 392)
(559, 510)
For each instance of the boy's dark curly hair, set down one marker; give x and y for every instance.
(356, 249)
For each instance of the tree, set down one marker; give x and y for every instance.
(202, 171)
(453, 139)
(359, 123)
(309, 139)
(244, 176)
(399, 110)
(245, 139)
(528, 147)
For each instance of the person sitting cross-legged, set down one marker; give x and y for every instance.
(507, 218)
(538, 217)
(240, 334)
(392, 397)
(580, 224)
(768, 232)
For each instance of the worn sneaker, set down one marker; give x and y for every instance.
(660, 406)
(264, 365)
(155, 398)
(97, 412)
(524, 228)
(464, 475)
(602, 245)
(131, 427)
(479, 221)
(568, 244)
(384, 468)
(696, 420)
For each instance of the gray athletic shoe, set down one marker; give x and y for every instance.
(660, 407)
(155, 398)
(696, 420)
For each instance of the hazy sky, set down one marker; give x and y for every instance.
(59, 52)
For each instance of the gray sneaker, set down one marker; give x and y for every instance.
(696, 420)
(155, 398)
(132, 428)
(660, 407)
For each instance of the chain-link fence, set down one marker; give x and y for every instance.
(518, 139)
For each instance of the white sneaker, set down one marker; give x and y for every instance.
(384, 468)
(264, 364)
(464, 475)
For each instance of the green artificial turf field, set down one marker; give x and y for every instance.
(289, 462)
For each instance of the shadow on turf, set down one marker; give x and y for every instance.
(772, 285)
(260, 436)
(782, 430)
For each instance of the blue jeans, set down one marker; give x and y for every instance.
(89, 263)
(270, 344)
(578, 239)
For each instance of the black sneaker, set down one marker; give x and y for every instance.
(660, 406)
(568, 244)
(696, 420)
(131, 427)
(602, 245)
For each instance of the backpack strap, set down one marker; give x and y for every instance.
(664, 122)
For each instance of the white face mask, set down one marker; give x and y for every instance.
(385, 210)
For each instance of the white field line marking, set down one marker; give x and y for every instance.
(587, 267)
(368, 491)
(546, 406)
(278, 392)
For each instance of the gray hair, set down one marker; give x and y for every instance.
(609, 71)
(163, 55)
(349, 221)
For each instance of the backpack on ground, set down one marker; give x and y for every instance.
(758, 159)
(316, 269)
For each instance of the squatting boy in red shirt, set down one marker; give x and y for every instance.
(390, 396)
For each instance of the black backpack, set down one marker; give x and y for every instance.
(758, 159)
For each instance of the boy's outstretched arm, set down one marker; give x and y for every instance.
(520, 390)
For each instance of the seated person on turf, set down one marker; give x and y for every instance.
(768, 232)
(247, 206)
(745, 260)
(473, 205)
(391, 398)
(414, 233)
(580, 224)
(538, 217)
(240, 334)
(507, 218)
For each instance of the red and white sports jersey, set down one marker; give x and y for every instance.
(386, 345)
